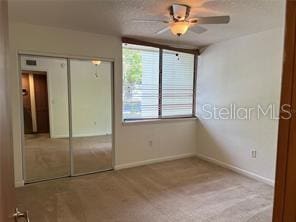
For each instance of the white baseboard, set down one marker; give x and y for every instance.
(237, 169)
(56, 136)
(91, 134)
(152, 161)
(19, 183)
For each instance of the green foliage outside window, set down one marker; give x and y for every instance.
(133, 68)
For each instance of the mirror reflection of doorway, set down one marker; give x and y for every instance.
(35, 102)
(67, 117)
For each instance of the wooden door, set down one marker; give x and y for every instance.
(285, 186)
(41, 102)
(27, 111)
(7, 201)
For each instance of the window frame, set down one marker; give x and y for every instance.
(160, 47)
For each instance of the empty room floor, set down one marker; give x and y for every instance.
(50, 157)
(177, 191)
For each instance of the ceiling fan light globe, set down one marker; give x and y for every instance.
(179, 28)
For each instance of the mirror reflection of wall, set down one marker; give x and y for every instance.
(91, 115)
(45, 113)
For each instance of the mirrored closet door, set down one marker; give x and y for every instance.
(91, 114)
(44, 89)
(67, 117)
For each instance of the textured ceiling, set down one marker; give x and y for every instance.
(115, 17)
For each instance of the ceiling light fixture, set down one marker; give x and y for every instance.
(96, 62)
(179, 28)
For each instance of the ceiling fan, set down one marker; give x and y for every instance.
(180, 21)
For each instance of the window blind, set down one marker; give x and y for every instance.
(140, 82)
(177, 83)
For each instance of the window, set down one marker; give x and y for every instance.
(177, 83)
(157, 83)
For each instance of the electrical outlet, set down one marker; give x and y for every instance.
(253, 153)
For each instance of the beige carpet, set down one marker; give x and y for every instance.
(188, 190)
(49, 158)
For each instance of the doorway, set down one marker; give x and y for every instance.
(35, 102)
(67, 117)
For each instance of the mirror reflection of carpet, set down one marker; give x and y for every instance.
(48, 158)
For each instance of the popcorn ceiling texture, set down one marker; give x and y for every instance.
(114, 17)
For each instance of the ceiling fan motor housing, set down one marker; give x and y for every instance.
(179, 12)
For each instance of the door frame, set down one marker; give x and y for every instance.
(285, 182)
(7, 192)
(67, 58)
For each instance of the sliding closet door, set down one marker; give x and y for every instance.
(91, 115)
(46, 150)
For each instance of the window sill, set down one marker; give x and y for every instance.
(149, 121)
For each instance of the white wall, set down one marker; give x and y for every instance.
(57, 85)
(245, 71)
(169, 139)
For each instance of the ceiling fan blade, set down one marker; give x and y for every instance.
(148, 20)
(214, 20)
(163, 30)
(204, 11)
(198, 29)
